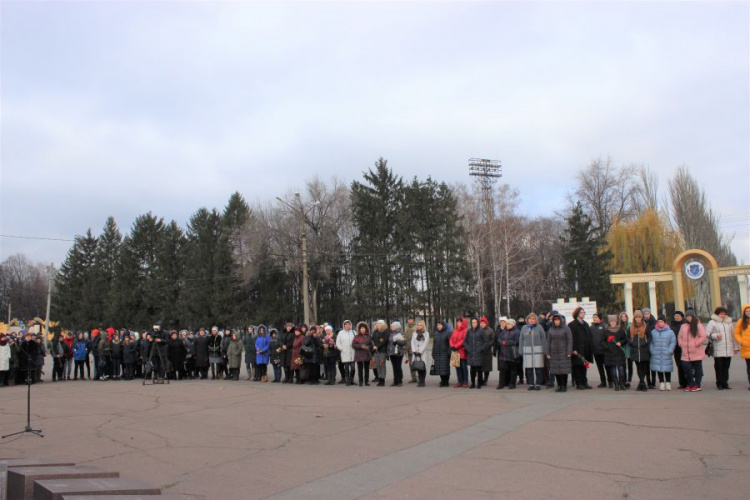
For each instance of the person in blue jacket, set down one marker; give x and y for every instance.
(262, 347)
(663, 343)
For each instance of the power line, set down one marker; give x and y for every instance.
(19, 237)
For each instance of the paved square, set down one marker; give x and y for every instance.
(240, 440)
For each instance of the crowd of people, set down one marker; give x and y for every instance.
(540, 351)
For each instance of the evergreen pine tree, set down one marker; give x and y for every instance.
(107, 257)
(585, 260)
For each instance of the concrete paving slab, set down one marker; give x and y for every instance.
(55, 489)
(244, 440)
(21, 479)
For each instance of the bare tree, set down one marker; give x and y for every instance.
(607, 193)
(23, 285)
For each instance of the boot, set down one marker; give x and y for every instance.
(623, 387)
(264, 379)
(381, 382)
(248, 375)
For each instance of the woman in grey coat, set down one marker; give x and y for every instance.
(559, 349)
(532, 344)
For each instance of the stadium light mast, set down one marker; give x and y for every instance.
(486, 173)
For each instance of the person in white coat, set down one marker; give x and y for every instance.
(4, 360)
(419, 342)
(720, 331)
(344, 345)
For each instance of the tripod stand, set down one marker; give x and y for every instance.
(163, 366)
(30, 369)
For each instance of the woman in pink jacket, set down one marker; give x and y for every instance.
(692, 339)
(457, 344)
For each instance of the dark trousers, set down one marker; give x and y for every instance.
(680, 369)
(78, 368)
(508, 374)
(363, 372)
(57, 369)
(421, 375)
(97, 370)
(88, 368)
(462, 373)
(693, 373)
(721, 367)
(603, 375)
(129, 370)
(562, 380)
(398, 370)
(579, 375)
(276, 372)
(476, 373)
(630, 370)
(617, 374)
(665, 376)
(4, 377)
(115, 365)
(330, 364)
(534, 376)
(642, 369)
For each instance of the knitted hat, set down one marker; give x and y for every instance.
(691, 312)
(612, 317)
(646, 310)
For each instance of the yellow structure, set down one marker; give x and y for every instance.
(675, 276)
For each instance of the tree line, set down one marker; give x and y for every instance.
(385, 247)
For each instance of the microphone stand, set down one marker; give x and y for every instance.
(30, 366)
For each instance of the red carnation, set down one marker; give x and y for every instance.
(611, 338)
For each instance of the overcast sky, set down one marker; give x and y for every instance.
(128, 107)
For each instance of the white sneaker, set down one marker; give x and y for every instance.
(662, 386)
(669, 386)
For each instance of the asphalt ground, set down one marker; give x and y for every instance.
(245, 440)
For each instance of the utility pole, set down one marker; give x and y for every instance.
(49, 302)
(305, 285)
(485, 173)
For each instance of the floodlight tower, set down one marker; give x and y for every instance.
(486, 173)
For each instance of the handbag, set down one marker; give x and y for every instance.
(433, 370)
(418, 364)
(373, 363)
(514, 353)
(710, 348)
(455, 359)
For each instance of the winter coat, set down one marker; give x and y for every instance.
(4, 357)
(260, 350)
(693, 348)
(115, 348)
(396, 343)
(532, 344)
(297, 343)
(506, 341)
(582, 342)
(176, 353)
(362, 345)
(214, 348)
(273, 347)
(489, 338)
(441, 350)
(103, 348)
(328, 344)
(640, 348)
(201, 352)
(458, 338)
(408, 334)
(661, 348)
(248, 343)
(286, 339)
(559, 347)
(598, 337)
(614, 355)
(225, 341)
(234, 354)
(312, 350)
(380, 340)
(80, 350)
(727, 346)
(742, 334)
(128, 353)
(419, 347)
(344, 341)
(475, 344)
(68, 343)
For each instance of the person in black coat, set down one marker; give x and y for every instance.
(286, 340)
(201, 354)
(129, 358)
(677, 322)
(27, 353)
(582, 348)
(177, 354)
(311, 352)
(598, 335)
(614, 353)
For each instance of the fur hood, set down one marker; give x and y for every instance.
(362, 323)
(718, 319)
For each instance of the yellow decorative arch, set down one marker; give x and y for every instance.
(713, 277)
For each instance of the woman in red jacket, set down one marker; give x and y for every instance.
(457, 345)
(692, 339)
